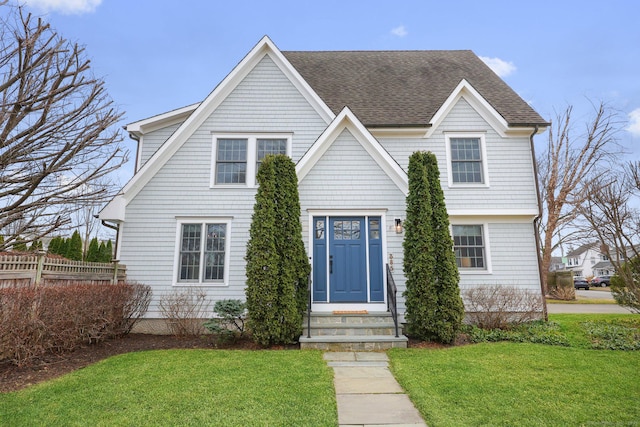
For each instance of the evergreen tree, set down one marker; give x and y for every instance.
(93, 254)
(36, 245)
(63, 248)
(419, 257)
(434, 308)
(54, 245)
(450, 309)
(105, 252)
(108, 252)
(277, 266)
(295, 267)
(74, 250)
(20, 245)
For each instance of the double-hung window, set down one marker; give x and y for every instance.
(203, 252)
(469, 246)
(231, 161)
(466, 160)
(237, 158)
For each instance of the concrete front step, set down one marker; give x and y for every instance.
(352, 332)
(353, 342)
(347, 329)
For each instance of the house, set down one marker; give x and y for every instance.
(350, 121)
(589, 260)
(557, 264)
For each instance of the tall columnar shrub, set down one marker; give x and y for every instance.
(450, 308)
(107, 255)
(63, 248)
(277, 266)
(419, 257)
(93, 254)
(74, 250)
(54, 245)
(434, 307)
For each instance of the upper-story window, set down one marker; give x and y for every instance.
(231, 161)
(467, 160)
(236, 158)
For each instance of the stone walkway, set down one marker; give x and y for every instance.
(367, 394)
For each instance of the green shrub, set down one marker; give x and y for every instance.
(92, 251)
(434, 309)
(277, 264)
(538, 332)
(230, 322)
(74, 250)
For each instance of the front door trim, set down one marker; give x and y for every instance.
(366, 213)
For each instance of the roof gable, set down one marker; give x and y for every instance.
(347, 120)
(406, 88)
(115, 208)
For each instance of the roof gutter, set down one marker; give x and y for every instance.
(117, 229)
(536, 221)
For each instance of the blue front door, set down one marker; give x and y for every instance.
(347, 259)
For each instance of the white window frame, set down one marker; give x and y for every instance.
(252, 148)
(483, 159)
(487, 248)
(227, 247)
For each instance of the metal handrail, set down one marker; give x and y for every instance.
(392, 303)
(309, 306)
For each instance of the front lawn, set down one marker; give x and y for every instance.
(524, 384)
(183, 387)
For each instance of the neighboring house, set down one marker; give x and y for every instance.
(557, 264)
(589, 260)
(350, 121)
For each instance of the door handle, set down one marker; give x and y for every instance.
(330, 264)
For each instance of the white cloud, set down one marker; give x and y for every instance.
(400, 31)
(66, 7)
(499, 66)
(634, 123)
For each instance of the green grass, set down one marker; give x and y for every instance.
(183, 388)
(520, 384)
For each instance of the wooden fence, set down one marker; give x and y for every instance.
(38, 269)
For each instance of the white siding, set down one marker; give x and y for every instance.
(153, 140)
(347, 178)
(264, 102)
(513, 255)
(509, 161)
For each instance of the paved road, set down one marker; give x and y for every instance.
(604, 294)
(586, 308)
(589, 308)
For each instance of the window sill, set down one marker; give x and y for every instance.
(199, 285)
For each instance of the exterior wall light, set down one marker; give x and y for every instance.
(398, 225)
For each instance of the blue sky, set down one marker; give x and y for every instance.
(156, 56)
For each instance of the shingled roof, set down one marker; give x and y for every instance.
(405, 88)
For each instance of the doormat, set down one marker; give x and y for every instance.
(351, 312)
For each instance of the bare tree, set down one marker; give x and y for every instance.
(58, 137)
(568, 170)
(612, 212)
